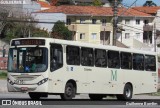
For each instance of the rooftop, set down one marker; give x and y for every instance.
(147, 9)
(93, 10)
(103, 1)
(44, 4)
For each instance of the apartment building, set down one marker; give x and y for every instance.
(155, 12)
(94, 24)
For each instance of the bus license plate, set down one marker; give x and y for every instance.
(24, 88)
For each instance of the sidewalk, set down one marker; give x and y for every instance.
(3, 86)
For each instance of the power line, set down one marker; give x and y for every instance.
(128, 8)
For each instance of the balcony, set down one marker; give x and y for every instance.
(106, 27)
(147, 27)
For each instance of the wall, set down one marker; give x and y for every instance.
(49, 18)
(21, 9)
(88, 28)
(15, 1)
(157, 21)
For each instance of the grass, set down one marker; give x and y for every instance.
(3, 74)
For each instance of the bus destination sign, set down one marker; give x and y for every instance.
(28, 42)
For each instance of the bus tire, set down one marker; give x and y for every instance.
(127, 93)
(34, 96)
(69, 92)
(96, 96)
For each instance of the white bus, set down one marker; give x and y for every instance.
(46, 66)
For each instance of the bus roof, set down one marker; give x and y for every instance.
(83, 44)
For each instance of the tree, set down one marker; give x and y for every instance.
(4, 14)
(39, 33)
(20, 27)
(60, 31)
(149, 3)
(97, 3)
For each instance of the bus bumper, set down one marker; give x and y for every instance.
(27, 88)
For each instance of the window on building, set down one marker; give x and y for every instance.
(113, 59)
(150, 63)
(127, 35)
(137, 21)
(94, 36)
(82, 35)
(82, 20)
(94, 21)
(146, 22)
(73, 55)
(138, 62)
(68, 21)
(104, 21)
(100, 58)
(127, 21)
(87, 57)
(126, 60)
(138, 35)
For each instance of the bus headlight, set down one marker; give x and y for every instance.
(42, 81)
(12, 83)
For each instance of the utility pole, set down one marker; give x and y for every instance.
(155, 37)
(115, 21)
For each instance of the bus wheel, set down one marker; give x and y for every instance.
(34, 96)
(127, 93)
(69, 92)
(96, 96)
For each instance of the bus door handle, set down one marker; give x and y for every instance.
(93, 81)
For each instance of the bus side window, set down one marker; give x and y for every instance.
(87, 57)
(56, 57)
(138, 62)
(150, 63)
(113, 59)
(100, 58)
(126, 60)
(73, 55)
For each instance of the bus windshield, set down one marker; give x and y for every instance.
(28, 59)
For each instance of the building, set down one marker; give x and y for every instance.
(155, 12)
(138, 28)
(24, 7)
(94, 24)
